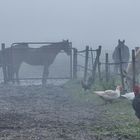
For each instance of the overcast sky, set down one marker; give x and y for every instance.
(84, 22)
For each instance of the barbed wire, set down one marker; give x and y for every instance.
(84, 56)
(83, 67)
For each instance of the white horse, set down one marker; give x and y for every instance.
(124, 56)
(129, 70)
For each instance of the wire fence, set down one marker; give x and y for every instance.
(105, 66)
(84, 64)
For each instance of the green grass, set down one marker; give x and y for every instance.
(118, 118)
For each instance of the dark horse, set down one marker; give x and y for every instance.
(43, 56)
(124, 55)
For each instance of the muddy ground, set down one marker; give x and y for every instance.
(53, 113)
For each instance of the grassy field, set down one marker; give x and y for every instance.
(117, 120)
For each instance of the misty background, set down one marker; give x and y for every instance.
(83, 22)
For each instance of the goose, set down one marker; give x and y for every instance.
(130, 96)
(109, 95)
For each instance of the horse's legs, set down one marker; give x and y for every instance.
(124, 66)
(10, 74)
(16, 72)
(45, 75)
(17, 77)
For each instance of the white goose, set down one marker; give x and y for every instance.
(129, 96)
(109, 95)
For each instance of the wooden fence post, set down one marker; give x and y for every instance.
(106, 67)
(98, 52)
(71, 76)
(121, 70)
(10, 66)
(86, 62)
(92, 59)
(74, 63)
(4, 67)
(99, 69)
(133, 64)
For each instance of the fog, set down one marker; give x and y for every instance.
(84, 22)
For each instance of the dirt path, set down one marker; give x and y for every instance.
(52, 113)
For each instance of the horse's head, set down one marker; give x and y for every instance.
(121, 43)
(66, 47)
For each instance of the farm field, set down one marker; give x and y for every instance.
(63, 112)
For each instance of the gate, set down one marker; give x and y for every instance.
(7, 61)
